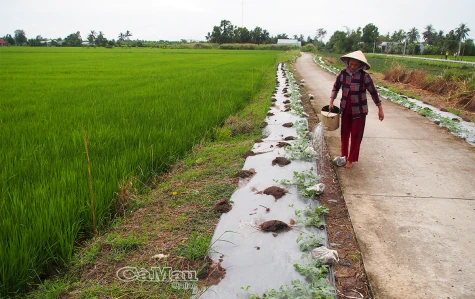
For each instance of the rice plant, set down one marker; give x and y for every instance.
(141, 109)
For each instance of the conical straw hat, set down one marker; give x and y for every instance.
(358, 55)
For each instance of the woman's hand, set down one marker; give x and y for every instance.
(331, 104)
(380, 113)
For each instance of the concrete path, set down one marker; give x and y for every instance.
(411, 198)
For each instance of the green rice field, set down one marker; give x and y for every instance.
(141, 109)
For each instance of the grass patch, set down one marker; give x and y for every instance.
(196, 247)
(454, 111)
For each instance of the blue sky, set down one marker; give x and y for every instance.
(193, 19)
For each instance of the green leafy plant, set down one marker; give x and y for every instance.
(330, 68)
(443, 121)
(312, 217)
(306, 182)
(314, 270)
(296, 106)
(301, 149)
(309, 241)
(318, 288)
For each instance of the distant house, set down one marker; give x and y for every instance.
(292, 42)
(3, 43)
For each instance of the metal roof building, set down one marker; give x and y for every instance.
(293, 42)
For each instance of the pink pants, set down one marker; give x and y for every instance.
(353, 128)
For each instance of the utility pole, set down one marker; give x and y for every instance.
(374, 44)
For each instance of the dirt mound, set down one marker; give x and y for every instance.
(275, 226)
(245, 173)
(282, 144)
(281, 161)
(223, 206)
(275, 191)
(289, 138)
(288, 125)
(248, 154)
(212, 274)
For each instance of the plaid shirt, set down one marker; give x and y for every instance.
(353, 86)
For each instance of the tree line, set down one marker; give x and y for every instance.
(227, 33)
(429, 41)
(367, 39)
(72, 40)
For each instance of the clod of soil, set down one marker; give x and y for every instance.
(258, 140)
(281, 161)
(275, 226)
(274, 100)
(223, 206)
(270, 114)
(245, 173)
(249, 154)
(267, 209)
(287, 102)
(264, 124)
(282, 144)
(275, 191)
(288, 125)
(289, 138)
(287, 110)
(212, 274)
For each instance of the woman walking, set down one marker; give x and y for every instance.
(354, 82)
